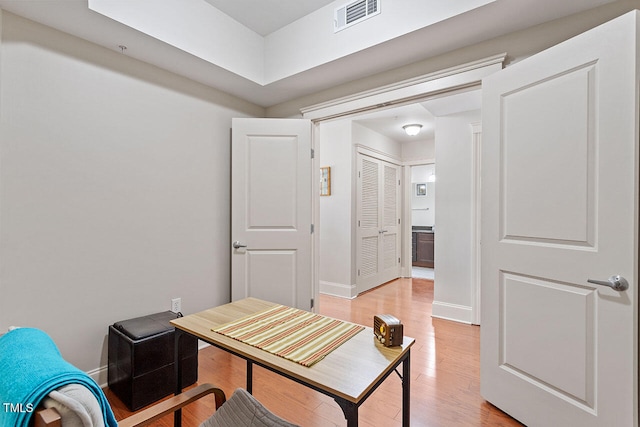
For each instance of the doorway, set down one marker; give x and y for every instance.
(340, 143)
(377, 136)
(423, 187)
(457, 302)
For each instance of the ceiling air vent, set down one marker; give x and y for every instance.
(354, 12)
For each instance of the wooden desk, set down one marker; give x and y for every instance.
(348, 374)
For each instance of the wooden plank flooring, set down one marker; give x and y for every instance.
(445, 371)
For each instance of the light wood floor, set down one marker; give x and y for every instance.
(445, 371)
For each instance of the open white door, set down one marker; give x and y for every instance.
(560, 206)
(271, 199)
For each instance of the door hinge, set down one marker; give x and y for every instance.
(358, 272)
(313, 153)
(398, 260)
(398, 221)
(311, 302)
(312, 228)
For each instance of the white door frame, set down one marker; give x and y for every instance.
(406, 214)
(428, 86)
(476, 163)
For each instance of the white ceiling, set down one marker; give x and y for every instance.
(389, 122)
(266, 16)
(480, 23)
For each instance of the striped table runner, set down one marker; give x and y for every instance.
(297, 335)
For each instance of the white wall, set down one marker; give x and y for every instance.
(114, 189)
(420, 150)
(338, 144)
(518, 45)
(193, 27)
(452, 292)
(287, 49)
(366, 137)
(336, 219)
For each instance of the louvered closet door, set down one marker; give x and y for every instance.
(378, 216)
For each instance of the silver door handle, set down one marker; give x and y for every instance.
(618, 283)
(382, 231)
(238, 245)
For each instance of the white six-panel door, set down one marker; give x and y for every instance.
(271, 199)
(378, 216)
(560, 206)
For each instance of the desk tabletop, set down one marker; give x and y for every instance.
(349, 371)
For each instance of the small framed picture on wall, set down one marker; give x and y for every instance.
(421, 189)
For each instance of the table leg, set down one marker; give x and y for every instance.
(177, 362)
(250, 376)
(406, 390)
(350, 411)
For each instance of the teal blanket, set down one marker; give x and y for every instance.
(31, 366)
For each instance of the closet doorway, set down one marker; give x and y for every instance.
(378, 237)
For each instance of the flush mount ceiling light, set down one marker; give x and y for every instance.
(412, 129)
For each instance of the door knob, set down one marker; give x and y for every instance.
(618, 283)
(238, 245)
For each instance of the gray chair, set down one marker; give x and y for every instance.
(243, 410)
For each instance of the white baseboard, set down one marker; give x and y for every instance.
(455, 312)
(99, 375)
(337, 289)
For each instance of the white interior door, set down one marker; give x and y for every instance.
(271, 199)
(560, 206)
(378, 222)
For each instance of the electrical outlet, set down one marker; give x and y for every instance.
(176, 305)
